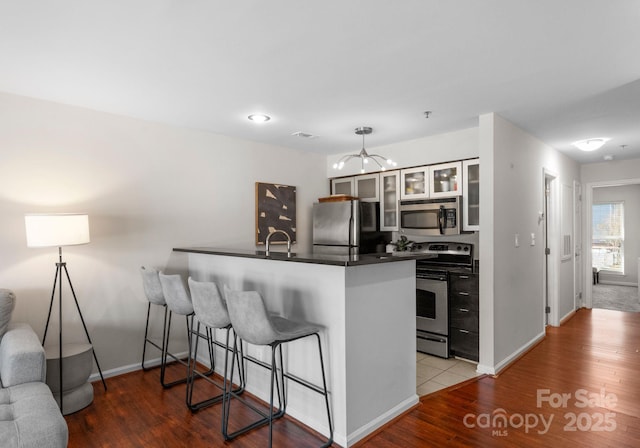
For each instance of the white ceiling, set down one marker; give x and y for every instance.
(563, 70)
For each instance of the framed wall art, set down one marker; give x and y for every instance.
(275, 210)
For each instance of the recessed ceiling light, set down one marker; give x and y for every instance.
(590, 144)
(259, 118)
(608, 157)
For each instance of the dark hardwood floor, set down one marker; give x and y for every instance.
(593, 360)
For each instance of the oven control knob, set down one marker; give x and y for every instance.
(459, 248)
(466, 249)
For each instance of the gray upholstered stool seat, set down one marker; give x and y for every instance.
(210, 310)
(153, 292)
(253, 324)
(179, 302)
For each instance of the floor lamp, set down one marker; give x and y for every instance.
(57, 230)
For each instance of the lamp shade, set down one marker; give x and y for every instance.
(57, 229)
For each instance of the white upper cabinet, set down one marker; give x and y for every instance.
(471, 196)
(367, 187)
(414, 183)
(389, 197)
(343, 185)
(445, 179)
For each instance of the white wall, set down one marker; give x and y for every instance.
(616, 170)
(630, 195)
(147, 188)
(511, 278)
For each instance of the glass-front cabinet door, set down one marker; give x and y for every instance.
(343, 185)
(445, 179)
(471, 196)
(367, 189)
(389, 197)
(414, 183)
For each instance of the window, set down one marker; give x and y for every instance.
(607, 244)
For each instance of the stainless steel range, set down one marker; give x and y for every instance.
(432, 292)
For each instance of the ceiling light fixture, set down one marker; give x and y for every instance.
(590, 144)
(259, 118)
(363, 155)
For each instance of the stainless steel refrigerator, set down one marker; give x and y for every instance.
(347, 228)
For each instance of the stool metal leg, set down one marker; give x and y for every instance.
(325, 393)
(228, 394)
(166, 354)
(147, 340)
(194, 374)
(278, 376)
(186, 363)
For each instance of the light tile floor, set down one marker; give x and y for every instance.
(433, 373)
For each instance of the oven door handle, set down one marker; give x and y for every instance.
(437, 278)
(432, 339)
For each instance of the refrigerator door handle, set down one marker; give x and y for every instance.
(354, 224)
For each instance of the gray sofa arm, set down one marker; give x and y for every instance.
(22, 358)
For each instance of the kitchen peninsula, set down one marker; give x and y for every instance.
(366, 307)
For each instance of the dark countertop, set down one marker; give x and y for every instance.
(327, 259)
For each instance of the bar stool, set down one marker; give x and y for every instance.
(253, 324)
(153, 292)
(179, 302)
(211, 311)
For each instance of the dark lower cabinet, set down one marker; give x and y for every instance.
(464, 315)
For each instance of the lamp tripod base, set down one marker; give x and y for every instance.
(69, 365)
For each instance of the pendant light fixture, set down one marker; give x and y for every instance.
(363, 155)
(590, 144)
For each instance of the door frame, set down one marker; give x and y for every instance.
(551, 236)
(587, 234)
(578, 248)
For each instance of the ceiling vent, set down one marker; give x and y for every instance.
(303, 135)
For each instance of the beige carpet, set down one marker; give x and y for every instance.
(616, 297)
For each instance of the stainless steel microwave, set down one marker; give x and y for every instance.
(430, 216)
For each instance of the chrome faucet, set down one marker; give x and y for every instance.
(266, 242)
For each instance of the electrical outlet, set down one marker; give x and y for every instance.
(517, 240)
(533, 239)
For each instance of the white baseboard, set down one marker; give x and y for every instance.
(566, 317)
(383, 419)
(485, 369)
(613, 282)
(494, 370)
(129, 368)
